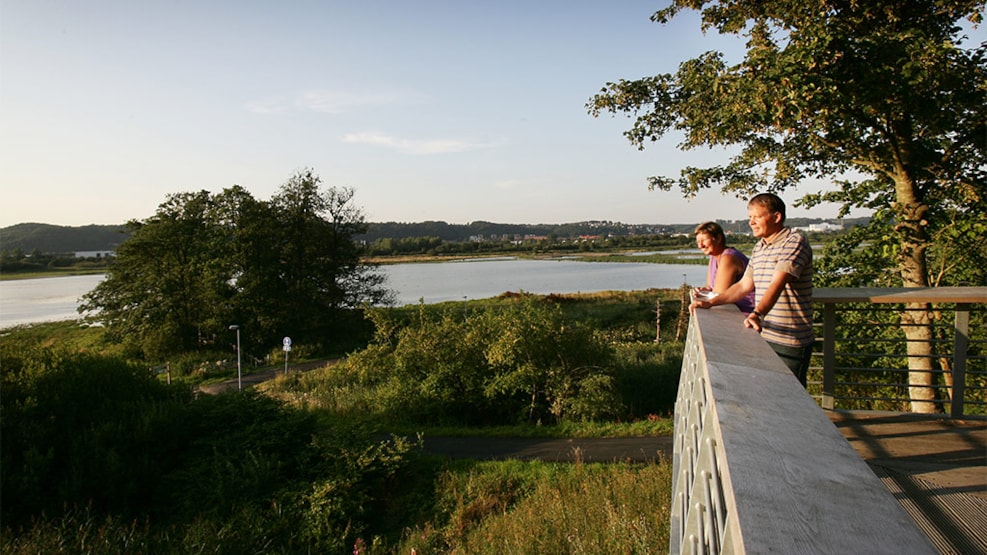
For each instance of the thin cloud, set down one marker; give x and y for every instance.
(338, 102)
(531, 187)
(412, 146)
(330, 102)
(264, 107)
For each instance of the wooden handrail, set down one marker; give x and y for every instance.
(900, 295)
(759, 468)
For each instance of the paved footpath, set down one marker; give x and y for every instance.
(619, 449)
(258, 376)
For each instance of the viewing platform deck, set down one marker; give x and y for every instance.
(934, 466)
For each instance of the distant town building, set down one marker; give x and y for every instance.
(825, 227)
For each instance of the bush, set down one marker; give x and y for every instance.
(80, 430)
(647, 377)
(522, 360)
(99, 456)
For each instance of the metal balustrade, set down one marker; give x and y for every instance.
(759, 468)
(860, 369)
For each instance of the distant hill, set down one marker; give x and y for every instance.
(48, 238)
(61, 239)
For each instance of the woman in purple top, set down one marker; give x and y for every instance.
(726, 264)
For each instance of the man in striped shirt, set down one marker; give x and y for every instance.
(780, 274)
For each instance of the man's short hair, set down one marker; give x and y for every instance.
(770, 201)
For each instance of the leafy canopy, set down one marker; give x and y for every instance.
(884, 97)
(285, 267)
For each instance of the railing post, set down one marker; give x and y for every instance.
(961, 340)
(828, 401)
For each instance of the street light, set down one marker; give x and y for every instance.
(239, 379)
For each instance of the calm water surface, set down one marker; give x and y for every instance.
(28, 301)
(480, 279)
(53, 299)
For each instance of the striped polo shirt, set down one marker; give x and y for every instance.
(789, 322)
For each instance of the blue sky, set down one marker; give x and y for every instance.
(432, 110)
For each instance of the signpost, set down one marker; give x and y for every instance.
(239, 370)
(287, 349)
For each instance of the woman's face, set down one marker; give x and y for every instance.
(707, 244)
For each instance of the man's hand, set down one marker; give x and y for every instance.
(753, 321)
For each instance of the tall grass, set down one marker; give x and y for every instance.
(538, 508)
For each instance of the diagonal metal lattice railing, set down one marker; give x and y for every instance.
(759, 468)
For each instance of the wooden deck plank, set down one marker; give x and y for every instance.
(950, 453)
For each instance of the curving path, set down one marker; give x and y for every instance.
(618, 449)
(589, 450)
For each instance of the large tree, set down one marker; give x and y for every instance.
(166, 291)
(881, 97)
(288, 266)
(321, 275)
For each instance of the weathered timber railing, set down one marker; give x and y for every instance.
(850, 377)
(759, 468)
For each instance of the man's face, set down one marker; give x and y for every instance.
(705, 243)
(763, 222)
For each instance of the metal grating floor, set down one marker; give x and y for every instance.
(955, 522)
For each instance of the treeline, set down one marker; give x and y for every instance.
(25, 239)
(490, 231)
(17, 261)
(435, 246)
(481, 231)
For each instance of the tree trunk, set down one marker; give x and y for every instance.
(915, 320)
(917, 326)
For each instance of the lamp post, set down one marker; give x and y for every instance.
(239, 379)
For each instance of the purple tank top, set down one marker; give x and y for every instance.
(746, 305)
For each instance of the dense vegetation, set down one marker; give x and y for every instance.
(101, 456)
(519, 360)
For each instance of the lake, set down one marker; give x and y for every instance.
(53, 299)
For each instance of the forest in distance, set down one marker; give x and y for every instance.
(49, 238)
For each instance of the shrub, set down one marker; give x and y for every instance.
(99, 456)
(80, 430)
(521, 361)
